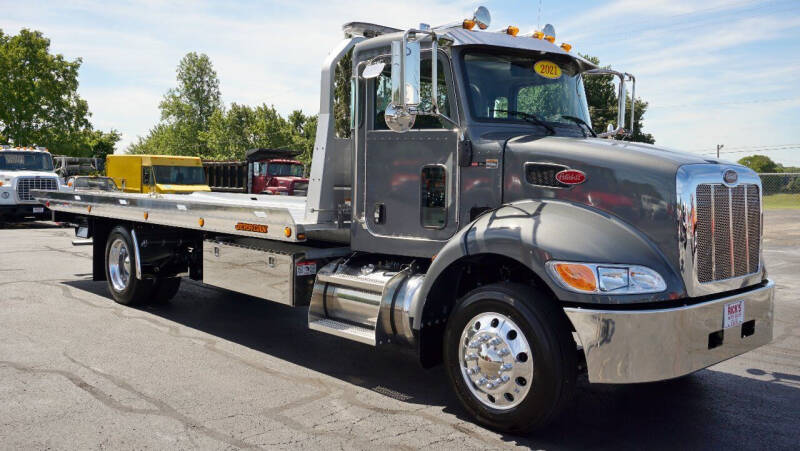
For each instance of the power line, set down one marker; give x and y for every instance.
(752, 150)
(757, 147)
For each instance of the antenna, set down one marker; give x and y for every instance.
(539, 17)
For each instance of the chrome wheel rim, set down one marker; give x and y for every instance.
(496, 361)
(119, 265)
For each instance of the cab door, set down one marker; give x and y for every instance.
(411, 178)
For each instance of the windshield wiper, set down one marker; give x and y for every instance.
(532, 118)
(580, 122)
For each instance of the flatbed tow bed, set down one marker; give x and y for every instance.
(279, 218)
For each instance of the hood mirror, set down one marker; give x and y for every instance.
(373, 70)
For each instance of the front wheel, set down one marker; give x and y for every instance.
(510, 356)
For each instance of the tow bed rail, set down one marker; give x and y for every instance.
(243, 219)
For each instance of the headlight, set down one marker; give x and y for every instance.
(5, 195)
(605, 278)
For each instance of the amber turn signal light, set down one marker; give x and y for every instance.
(580, 277)
(287, 231)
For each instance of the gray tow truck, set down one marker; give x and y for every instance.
(470, 214)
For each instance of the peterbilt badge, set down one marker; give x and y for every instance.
(571, 177)
(730, 176)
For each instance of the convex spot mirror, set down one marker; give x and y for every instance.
(482, 17)
(398, 119)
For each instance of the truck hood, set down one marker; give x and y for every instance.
(15, 174)
(633, 181)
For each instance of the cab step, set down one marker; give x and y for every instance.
(344, 330)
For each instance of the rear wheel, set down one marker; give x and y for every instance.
(120, 266)
(510, 356)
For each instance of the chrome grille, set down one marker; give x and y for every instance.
(26, 184)
(728, 231)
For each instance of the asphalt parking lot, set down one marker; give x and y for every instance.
(216, 370)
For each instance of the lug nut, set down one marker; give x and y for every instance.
(506, 367)
(496, 341)
(504, 352)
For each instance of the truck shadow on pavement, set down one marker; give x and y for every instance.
(709, 409)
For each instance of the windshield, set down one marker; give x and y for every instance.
(509, 87)
(285, 169)
(25, 161)
(180, 175)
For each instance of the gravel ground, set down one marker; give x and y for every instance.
(216, 370)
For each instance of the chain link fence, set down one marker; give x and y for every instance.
(781, 190)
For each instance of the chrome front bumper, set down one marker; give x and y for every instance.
(628, 346)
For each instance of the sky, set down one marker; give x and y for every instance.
(714, 72)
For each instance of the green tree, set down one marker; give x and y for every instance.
(341, 95)
(760, 163)
(39, 101)
(195, 122)
(103, 143)
(186, 111)
(601, 95)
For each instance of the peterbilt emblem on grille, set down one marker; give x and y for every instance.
(730, 176)
(571, 177)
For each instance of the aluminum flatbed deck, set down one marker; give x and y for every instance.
(280, 218)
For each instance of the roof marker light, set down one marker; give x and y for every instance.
(550, 39)
(468, 24)
(537, 35)
(566, 47)
(512, 30)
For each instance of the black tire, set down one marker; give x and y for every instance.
(545, 329)
(165, 289)
(133, 291)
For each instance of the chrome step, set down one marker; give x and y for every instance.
(344, 330)
(366, 283)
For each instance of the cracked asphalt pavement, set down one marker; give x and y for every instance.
(217, 370)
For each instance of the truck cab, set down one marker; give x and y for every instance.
(157, 174)
(23, 169)
(281, 176)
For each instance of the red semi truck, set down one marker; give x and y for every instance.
(265, 171)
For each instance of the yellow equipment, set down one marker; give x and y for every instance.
(161, 174)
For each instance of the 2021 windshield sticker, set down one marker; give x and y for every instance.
(547, 69)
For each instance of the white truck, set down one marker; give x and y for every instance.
(470, 214)
(23, 169)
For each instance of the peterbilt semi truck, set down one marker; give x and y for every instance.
(470, 214)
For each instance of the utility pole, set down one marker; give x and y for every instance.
(719, 146)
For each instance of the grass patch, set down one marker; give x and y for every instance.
(781, 201)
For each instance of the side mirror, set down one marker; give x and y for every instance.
(405, 86)
(623, 95)
(405, 73)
